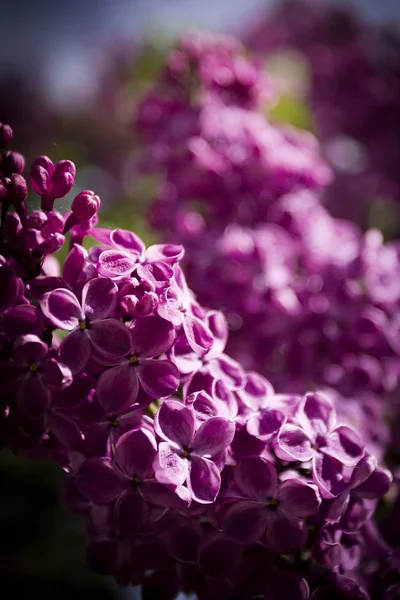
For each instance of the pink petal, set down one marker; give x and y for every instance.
(135, 452)
(75, 350)
(117, 388)
(110, 338)
(292, 444)
(345, 445)
(245, 521)
(169, 467)
(316, 415)
(297, 498)
(159, 378)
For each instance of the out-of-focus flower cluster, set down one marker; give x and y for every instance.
(309, 299)
(193, 474)
(353, 95)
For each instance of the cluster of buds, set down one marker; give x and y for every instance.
(193, 474)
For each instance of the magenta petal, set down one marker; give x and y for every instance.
(345, 445)
(115, 263)
(160, 495)
(377, 485)
(328, 475)
(229, 370)
(213, 436)
(64, 430)
(132, 513)
(266, 423)
(198, 335)
(55, 375)
(285, 535)
(364, 468)
(297, 498)
(204, 480)
(75, 350)
(169, 467)
(170, 253)
(118, 388)
(256, 478)
(33, 397)
(151, 336)
(99, 298)
(126, 240)
(292, 444)
(62, 308)
(159, 378)
(245, 521)
(175, 423)
(29, 349)
(316, 415)
(98, 481)
(110, 338)
(135, 452)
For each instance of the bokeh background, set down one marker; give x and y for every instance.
(70, 74)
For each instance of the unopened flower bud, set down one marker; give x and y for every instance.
(6, 134)
(63, 178)
(85, 205)
(51, 181)
(17, 189)
(11, 162)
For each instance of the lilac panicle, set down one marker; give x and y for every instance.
(193, 471)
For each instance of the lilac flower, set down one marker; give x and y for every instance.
(269, 511)
(33, 373)
(317, 438)
(91, 330)
(187, 455)
(150, 337)
(51, 181)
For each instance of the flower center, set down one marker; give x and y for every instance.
(82, 325)
(184, 453)
(133, 359)
(113, 422)
(33, 367)
(319, 442)
(273, 503)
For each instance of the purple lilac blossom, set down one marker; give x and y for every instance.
(193, 473)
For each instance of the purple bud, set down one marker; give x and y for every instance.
(63, 178)
(85, 205)
(42, 170)
(17, 189)
(11, 162)
(6, 134)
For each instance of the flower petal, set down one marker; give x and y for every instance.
(169, 467)
(61, 306)
(132, 513)
(328, 475)
(266, 423)
(135, 452)
(245, 521)
(284, 534)
(151, 336)
(256, 478)
(292, 444)
(198, 335)
(75, 350)
(159, 378)
(316, 415)
(297, 498)
(115, 263)
(126, 240)
(99, 481)
(345, 445)
(110, 338)
(117, 388)
(175, 423)
(213, 436)
(99, 298)
(204, 480)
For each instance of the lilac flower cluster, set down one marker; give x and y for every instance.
(347, 59)
(193, 474)
(309, 299)
(204, 131)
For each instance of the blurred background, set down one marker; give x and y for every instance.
(70, 74)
